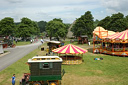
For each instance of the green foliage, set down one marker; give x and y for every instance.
(36, 28)
(83, 25)
(116, 22)
(104, 22)
(96, 23)
(27, 28)
(42, 26)
(7, 26)
(55, 19)
(56, 28)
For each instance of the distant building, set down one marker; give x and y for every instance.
(83, 39)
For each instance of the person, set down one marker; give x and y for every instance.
(25, 79)
(13, 79)
(31, 40)
(62, 44)
(16, 40)
(42, 41)
(89, 43)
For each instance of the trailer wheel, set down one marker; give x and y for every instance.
(37, 83)
(52, 83)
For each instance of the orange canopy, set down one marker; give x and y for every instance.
(102, 33)
(69, 49)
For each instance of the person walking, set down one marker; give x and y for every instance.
(31, 41)
(42, 41)
(13, 79)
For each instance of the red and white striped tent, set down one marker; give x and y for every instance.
(70, 49)
(122, 35)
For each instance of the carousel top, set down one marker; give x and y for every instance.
(121, 35)
(70, 49)
(102, 33)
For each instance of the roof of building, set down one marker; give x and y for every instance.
(45, 59)
(56, 42)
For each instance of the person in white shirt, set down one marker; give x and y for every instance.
(42, 41)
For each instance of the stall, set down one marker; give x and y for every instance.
(70, 54)
(109, 42)
(53, 45)
(83, 39)
(99, 33)
(116, 44)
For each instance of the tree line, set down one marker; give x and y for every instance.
(56, 28)
(27, 28)
(24, 29)
(86, 24)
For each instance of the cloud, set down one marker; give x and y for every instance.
(67, 10)
(115, 5)
(14, 1)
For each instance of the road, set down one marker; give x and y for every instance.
(16, 53)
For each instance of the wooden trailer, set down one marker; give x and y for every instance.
(44, 70)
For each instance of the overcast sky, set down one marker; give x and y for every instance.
(67, 10)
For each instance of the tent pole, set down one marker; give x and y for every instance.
(123, 49)
(66, 57)
(82, 56)
(93, 44)
(112, 48)
(75, 57)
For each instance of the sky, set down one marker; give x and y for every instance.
(67, 10)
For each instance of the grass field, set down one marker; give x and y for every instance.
(112, 70)
(21, 43)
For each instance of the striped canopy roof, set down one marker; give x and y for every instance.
(69, 49)
(122, 35)
(102, 33)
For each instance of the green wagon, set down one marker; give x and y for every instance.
(44, 70)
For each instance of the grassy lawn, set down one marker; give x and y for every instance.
(112, 70)
(21, 43)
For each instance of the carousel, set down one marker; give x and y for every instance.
(70, 54)
(113, 43)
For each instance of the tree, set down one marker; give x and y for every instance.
(36, 28)
(104, 22)
(117, 22)
(55, 28)
(27, 28)
(126, 18)
(83, 25)
(55, 19)
(7, 26)
(42, 26)
(96, 23)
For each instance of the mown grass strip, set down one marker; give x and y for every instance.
(22, 43)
